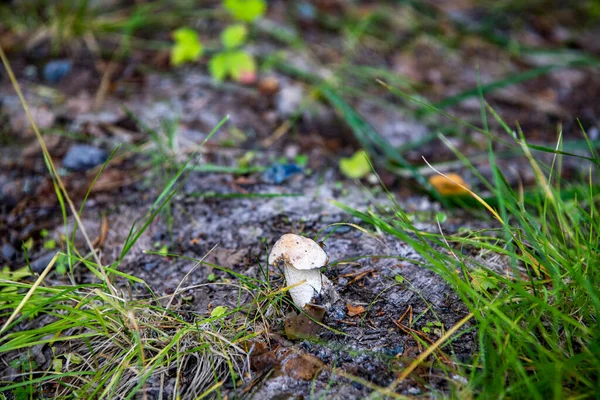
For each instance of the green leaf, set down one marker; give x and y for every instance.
(399, 278)
(246, 10)
(218, 312)
(357, 166)
(57, 365)
(163, 250)
(237, 64)
(245, 160)
(211, 277)
(481, 281)
(61, 265)
(7, 274)
(234, 36)
(242, 66)
(74, 359)
(28, 244)
(44, 233)
(50, 244)
(187, 46)
(301, 160)
(217, 66)
(23, 392)
(441, 217)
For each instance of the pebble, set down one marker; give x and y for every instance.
(414, 391)
(41, 263)
(306, 11)
(339, 229)
(8, 251)
(279, 173)
(82, 157)
(150, 266)
(288, 100)
(394, 350)
(338, 312)
(56, 70)
(30, 72)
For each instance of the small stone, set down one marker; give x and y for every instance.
(8, 251)
(394, 350)
(30, 72)
(56, 70)
(41, 263)
(338, 311)
(82, 157)
(289, 99)
(306, 11)
(150, 266)
(279, 173)
(342, 282)
(338, 229)
(414, 391)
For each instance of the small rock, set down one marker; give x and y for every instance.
(339, 229)
(55, 70)
(278, 173)
(338, 311)
(41, 263)
(394, 350)
(289, 99)
(306, 11)
(8, 251)
(414, 391)
(30, 72)
(82, 157)
(150, 266)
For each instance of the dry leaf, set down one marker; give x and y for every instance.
(449, 187)
(355, 310)
(302, 366)
(300, 326)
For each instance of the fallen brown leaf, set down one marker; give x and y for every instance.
(450, 186)
(355, 310)
(302, 366)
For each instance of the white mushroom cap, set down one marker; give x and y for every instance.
(302, 258)
(299, 252)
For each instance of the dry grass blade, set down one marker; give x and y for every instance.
(386, 391)
(429, 351)
(475, 195)
(52, 168)
(29, 293)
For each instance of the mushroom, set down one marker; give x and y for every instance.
(301, 259)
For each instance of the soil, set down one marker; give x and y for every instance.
(371, 344)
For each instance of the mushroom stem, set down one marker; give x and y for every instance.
(303, 293)
(301, 258)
